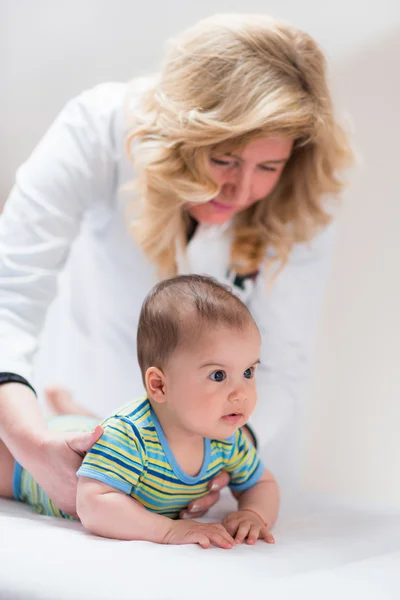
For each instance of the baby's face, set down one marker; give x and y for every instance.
(211, 386)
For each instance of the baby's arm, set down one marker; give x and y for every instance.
(108, 512)
(263, 498)
(258, 511)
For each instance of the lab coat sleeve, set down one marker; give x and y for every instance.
(70, 172)
(287, 317)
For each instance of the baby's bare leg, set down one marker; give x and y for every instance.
(60, 402)
(6, 471)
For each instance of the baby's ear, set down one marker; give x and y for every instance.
(155, 384)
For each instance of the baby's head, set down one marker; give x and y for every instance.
(198, 348)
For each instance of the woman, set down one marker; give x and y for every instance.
(233, 150)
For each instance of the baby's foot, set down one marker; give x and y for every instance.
(60, 402)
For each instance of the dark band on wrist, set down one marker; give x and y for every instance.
(14, 378)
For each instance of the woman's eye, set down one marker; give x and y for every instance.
(266, 168)
(218, 376)
(218, 161)
(249, 373)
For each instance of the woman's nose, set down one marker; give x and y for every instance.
(238, 190)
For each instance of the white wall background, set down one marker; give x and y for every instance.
(353, 441)
(52, 49)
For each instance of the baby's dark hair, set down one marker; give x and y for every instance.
(177, 310)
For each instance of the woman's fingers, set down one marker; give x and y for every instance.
(200, 506)
(82, 442)
(219, 482)
(197, 508)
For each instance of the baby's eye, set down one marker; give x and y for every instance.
(249, 373)
(218, 376)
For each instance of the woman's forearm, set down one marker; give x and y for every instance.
(263, 498)
(22, 427)
(113, 514)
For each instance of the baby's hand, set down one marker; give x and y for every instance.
(247, 524)
(204, 534)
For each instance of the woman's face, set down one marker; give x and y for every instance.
(244, 178)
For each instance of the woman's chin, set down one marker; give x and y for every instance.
(216, 220)
(209, 215)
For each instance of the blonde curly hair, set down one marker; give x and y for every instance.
(225, 82)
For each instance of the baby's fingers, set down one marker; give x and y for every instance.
(242, 532)
(221, 538)
(267, 536)
(254, 534)
(218, 536)
(199, 538)
(231, 526)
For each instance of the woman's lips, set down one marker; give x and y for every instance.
(221, 206)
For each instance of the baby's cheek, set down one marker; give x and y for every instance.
(252, 400)
(210, 406)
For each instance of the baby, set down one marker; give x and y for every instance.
(198, 350)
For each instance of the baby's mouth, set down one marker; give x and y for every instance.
(233, 417)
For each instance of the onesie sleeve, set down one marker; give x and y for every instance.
(118, 458)
(243, 465)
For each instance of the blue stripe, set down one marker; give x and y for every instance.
(161, 475)
(115, 483)
(109, 440)
(242, 474)
(114, 459)
(136, 432)
(16, 482)
(119, 432)
(241, 487)
(144, 407)
(171, 492)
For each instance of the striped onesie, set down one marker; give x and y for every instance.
(134, 457)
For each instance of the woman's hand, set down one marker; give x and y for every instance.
(204, 534)
(57, 461)
(246, 525)
(52, 458)
(197, 508)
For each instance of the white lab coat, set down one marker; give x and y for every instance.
(63, 235)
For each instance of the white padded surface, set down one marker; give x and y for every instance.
(322, 552)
